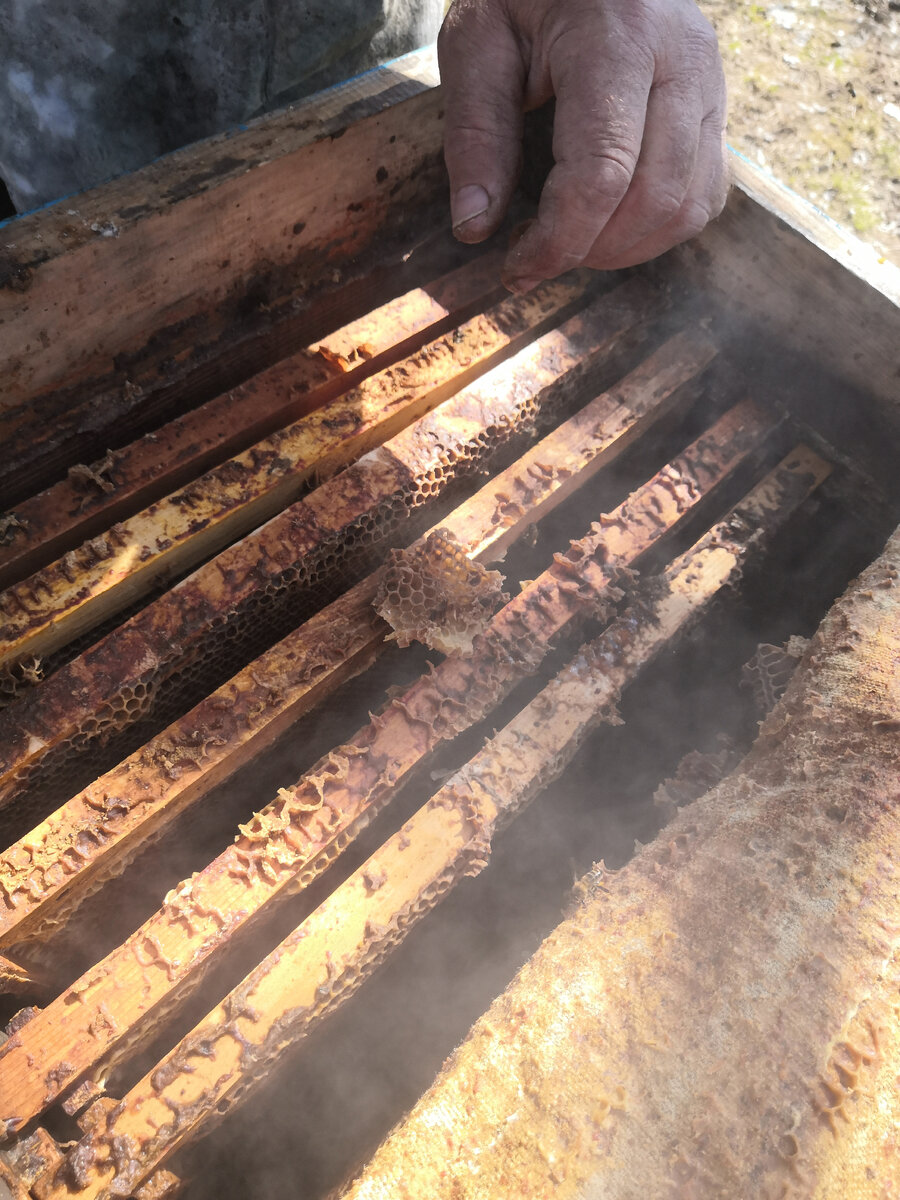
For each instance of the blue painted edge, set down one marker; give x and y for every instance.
(757, 169)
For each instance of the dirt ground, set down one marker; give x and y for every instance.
(814, 97)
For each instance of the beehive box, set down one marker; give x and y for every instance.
(237, 385)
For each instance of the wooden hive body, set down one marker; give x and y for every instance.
(232, 383)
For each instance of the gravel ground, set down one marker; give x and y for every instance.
(814, 97)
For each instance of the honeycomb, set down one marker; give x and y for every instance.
(17, 676)
(343, 977)
(206, 655)
(770, 669)
(284, 600)
(433, 593)
(695, 775)
(102, 733)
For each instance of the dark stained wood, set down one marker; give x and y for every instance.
(781, 267)
(176, 262)
(179, 246)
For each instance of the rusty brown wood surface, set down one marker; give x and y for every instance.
(47, 873)
(313, 544)
(110, 572)
(333, 951)
(93, 497)
(170, 252)
(294, 838)
(82, 423)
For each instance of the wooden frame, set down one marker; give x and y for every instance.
(85, 280)
(152, 295)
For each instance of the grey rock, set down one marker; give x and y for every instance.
(91, 90)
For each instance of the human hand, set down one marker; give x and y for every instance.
(638, 138)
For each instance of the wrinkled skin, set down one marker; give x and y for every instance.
(639, 131)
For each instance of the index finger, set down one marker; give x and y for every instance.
(601, 104)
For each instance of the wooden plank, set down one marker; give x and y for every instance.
(779, 266)
(87, 586)
(85, 504)
(46, 874)
(307, 547)
(326, 959)
(176, 374)
(98, 275)
(168, 246)
(300, 833)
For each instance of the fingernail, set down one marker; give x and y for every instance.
(523, 285)
(468, 203)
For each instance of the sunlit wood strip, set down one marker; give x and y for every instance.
(106, 574)
(96, 496)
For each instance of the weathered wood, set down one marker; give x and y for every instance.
(182, 268)
(81, 423)
(782, 269)
(89, 585)
(91, 499)
(46, 874)
(192, 235)
(317, 541)
(297, 836)
(178, 277)
(327, 958)
(177, 245)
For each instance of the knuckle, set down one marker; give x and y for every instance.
(605, 176)
(718, 204)
(468, 146)
(663, 201)
(718, 186)
(694, 217)
(454, 36)
(475, 135)
(642, 20)
(466, 23)
(454, 28)
(452, 47)
(445, 39)
(703, 37)
(691, 50)
(702, 54)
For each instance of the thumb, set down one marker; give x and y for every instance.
(483, 79)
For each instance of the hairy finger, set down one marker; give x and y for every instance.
(602, 84)
(704, 201)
